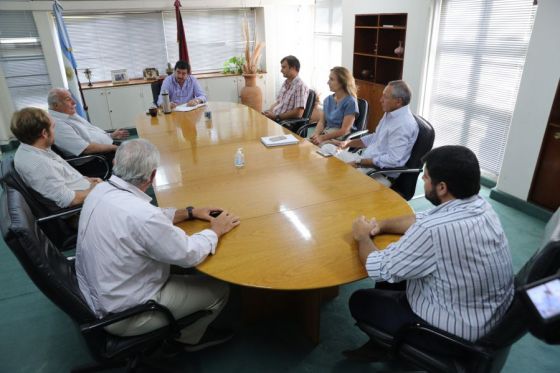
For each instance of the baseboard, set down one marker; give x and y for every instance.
(521, 205)
(488, 183)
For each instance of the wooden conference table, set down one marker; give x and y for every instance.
(296, 207)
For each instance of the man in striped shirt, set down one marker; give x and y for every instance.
(454, 258)
(291, 100)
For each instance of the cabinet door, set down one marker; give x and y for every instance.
(544, 191)
(371, 92)
(222, 89)
(98, 110)
(125, 104)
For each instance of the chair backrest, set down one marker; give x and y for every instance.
(515, 323)
(47, 267)
(360, 123)
(40, 206)
(156, 89)
(405, 184)
(309, 105)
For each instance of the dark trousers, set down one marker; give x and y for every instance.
(389, 311)
(386, 310)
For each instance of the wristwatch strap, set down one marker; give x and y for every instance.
(190, 212)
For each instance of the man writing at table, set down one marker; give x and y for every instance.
(455, 259)
(183, 88)
(126, 246)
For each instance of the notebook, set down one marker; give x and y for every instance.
(279, 140)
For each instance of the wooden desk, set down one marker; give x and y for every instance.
(296, 207)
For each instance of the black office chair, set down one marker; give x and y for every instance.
(423, 345)
(156, 89)
(55, 276)
(62, 232)
(295, 124)
(93, 165)
(405, 183)
(359, 128)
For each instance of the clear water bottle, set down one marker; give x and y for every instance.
(166, 104)
(239, 158)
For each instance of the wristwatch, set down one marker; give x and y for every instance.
(277, 119)
(190, 212)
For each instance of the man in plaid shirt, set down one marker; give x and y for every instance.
(292, 97)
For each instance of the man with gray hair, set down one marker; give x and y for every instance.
(126, 246)
(392, 142)
(75, 135)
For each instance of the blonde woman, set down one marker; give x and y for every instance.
(339, 109)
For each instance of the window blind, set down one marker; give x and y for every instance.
(22, 59)
(135, 41)
(106, 42)
(213, 36)
(480, 53)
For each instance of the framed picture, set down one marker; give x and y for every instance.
(119, 76)
(151, 73)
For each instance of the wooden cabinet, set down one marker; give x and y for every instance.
(546, 180)
(376, 37)
(115, 107)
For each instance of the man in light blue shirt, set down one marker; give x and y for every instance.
(392, 142)
(183, 88)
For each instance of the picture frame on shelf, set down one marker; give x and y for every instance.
(150, 73)
(119, 76)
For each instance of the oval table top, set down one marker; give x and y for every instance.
(296, 207)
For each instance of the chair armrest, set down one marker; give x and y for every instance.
(294, 124)
(402, 170)
(150, 305)
(356, 135)
(78, 161)
(303, 129)
(62, 213)
(416, 329)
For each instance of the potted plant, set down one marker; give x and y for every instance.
(234, 65)
(251, 94)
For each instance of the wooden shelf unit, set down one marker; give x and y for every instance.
(376, 36)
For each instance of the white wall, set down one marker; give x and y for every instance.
(417, 36)
(534, 100)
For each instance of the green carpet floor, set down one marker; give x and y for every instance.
(38, 337)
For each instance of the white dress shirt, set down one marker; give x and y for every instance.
(73, 134)
(457, 264)
(126, 245)
(392, 142)
(48, 174)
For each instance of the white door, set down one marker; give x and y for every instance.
(98, 110)
(125, 104)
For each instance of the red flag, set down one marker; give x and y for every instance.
(181, 39)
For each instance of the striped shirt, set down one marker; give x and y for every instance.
(292, 95)
(458, 266)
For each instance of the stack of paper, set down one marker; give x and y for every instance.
(279, 140)
(184, 107)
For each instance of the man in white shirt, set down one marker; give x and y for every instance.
(42, 169)
(392, 142)
(75, 135)
(126, 246)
